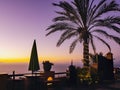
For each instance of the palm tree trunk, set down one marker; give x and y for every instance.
(86, 54)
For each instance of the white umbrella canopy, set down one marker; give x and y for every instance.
(34, 62)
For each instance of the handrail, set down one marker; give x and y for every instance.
(17, 75)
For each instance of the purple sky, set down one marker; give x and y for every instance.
(22, 21)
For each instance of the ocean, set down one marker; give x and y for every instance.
(21, 68)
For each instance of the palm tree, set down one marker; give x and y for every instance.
(86, 20)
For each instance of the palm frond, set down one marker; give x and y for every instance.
(91, 6)
(90, 12)
(113, 19)
(104, 42)
(112, 6)
(110, 26)
(60, 18)
(82, 7)
(72, 46)
(67, 17)
(69, 11)
(66, 35)
(116, 39)
(94, 10)
(109, 20)
(66, 6)
(102, 32)
(59, 27)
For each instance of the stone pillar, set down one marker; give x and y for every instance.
(109, 66)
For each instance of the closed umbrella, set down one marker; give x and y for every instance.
(34, 62)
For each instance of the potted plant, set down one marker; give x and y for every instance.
(47, 65)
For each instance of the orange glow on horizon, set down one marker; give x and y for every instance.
(54, 59)
(14, 60)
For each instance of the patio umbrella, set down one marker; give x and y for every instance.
(34, 62)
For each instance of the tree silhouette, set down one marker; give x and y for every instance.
(86, 20)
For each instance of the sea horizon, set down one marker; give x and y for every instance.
(22, 68)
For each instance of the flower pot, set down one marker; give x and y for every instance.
(47, 66)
